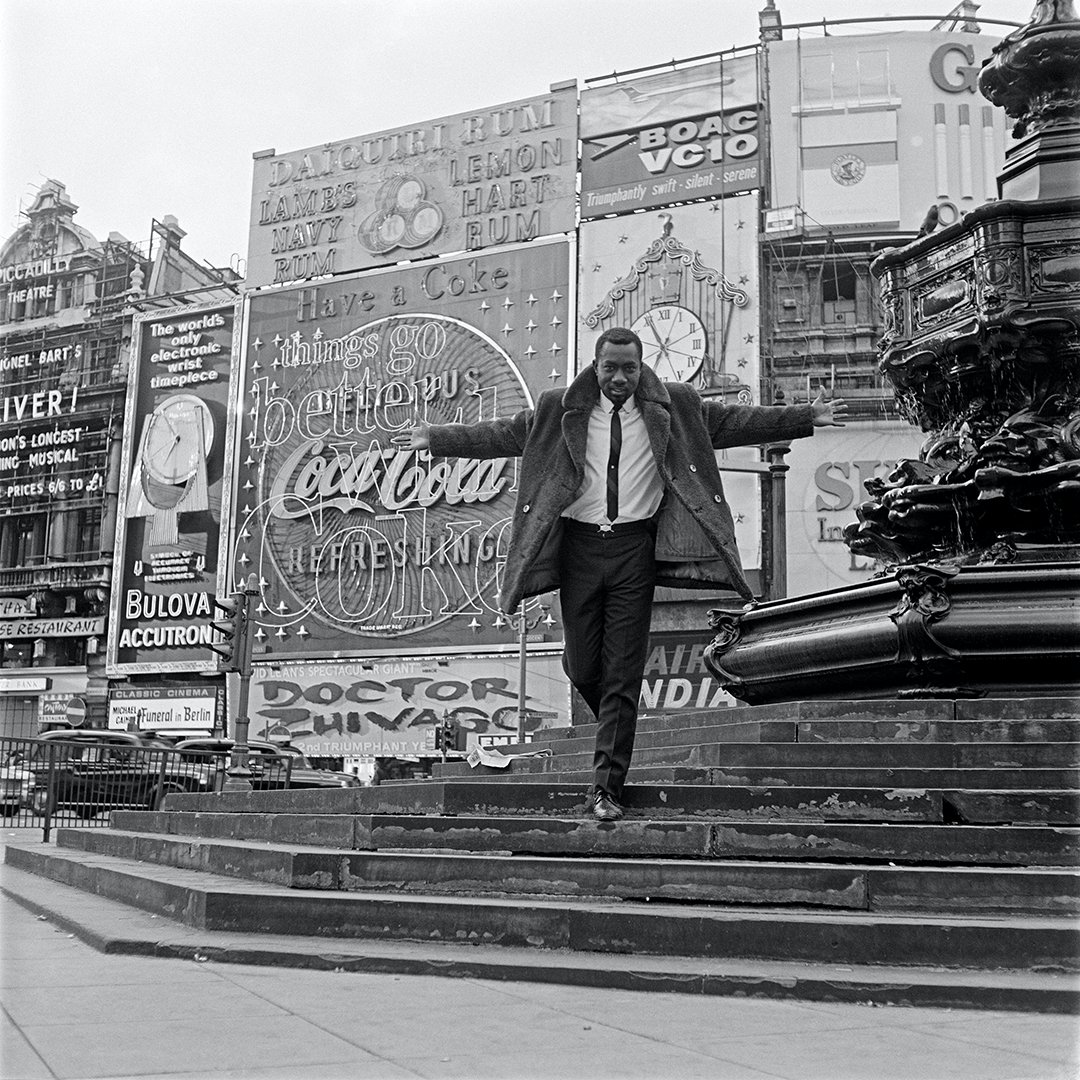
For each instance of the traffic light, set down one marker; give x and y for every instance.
(449, 735)
(231, 627)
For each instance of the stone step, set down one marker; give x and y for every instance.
(955, 731)
(642, 771)
(489, 796)
(692, 746)
(916, 716)
(1001, 845)
(875, 887)
(117, 929)
(212, 902)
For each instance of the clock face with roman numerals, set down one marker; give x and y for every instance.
(673, 341)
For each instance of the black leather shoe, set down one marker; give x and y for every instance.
(605, 807)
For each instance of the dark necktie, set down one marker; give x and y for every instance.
(613, 465)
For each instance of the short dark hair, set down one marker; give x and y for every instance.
(618, 335)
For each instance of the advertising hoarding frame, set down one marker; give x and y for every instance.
(133, 421)
(374, 200)
(687, 145)
(560, 251)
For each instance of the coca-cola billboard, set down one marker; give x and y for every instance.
(362, 545)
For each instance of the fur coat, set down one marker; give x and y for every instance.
(695, 539)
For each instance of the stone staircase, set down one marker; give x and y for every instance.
(920, 852)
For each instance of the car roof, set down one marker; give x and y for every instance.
(89, 735)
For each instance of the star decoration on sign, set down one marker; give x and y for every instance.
(597, 268)
(485, 306)
(508, 303)
(530, 352)
(715, 208)
(318, 335)
(749, 339)
(303, 632)
(474, 625)
(530, 300)
(257, 344)
(740, 518)
(739, 224)
(555, 375)
(555, 348)
(507, 330)
(556, 322)
(741, 361)
(623, 239)
(530, 326)
(556, 296)
(278, 339)
(744, 278)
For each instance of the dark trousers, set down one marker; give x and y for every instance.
(606, 594)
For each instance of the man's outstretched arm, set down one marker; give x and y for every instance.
(487, 439)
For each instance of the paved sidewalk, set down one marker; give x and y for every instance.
(72, 1012)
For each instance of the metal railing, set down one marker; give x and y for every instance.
(50, 782)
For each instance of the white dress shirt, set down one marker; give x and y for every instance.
(640, 488)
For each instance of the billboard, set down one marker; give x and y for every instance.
(873, 130)
(169, 539)
(362, 545)
(825, 483)
(676, 677)
(54, 436)
(188, 709)
(686, 281)
(502, 175)
(670, 137)
(388, 708)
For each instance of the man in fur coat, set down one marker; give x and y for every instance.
(619, 491)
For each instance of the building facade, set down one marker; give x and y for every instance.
(66, 305)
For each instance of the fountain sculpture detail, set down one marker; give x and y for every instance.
(982, 348)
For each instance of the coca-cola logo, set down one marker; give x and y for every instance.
(365, 536)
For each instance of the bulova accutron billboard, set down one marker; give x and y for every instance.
(169, 537)
(363, 546)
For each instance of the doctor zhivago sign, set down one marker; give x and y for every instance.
(364, 546)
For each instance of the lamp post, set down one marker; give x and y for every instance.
(524, 625)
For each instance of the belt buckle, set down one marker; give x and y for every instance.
(605, 528)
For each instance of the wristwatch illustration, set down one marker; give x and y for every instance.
(169, 474)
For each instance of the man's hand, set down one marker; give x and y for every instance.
(831, 413)
(418, 437)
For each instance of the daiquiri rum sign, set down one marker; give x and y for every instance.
(361, 544)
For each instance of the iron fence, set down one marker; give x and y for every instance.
(79, 780)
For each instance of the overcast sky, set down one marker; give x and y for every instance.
(144, 108)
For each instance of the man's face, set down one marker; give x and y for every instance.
(618, 371)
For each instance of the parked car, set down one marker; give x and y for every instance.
(16, 785)
(269, 763)
(90, 770)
